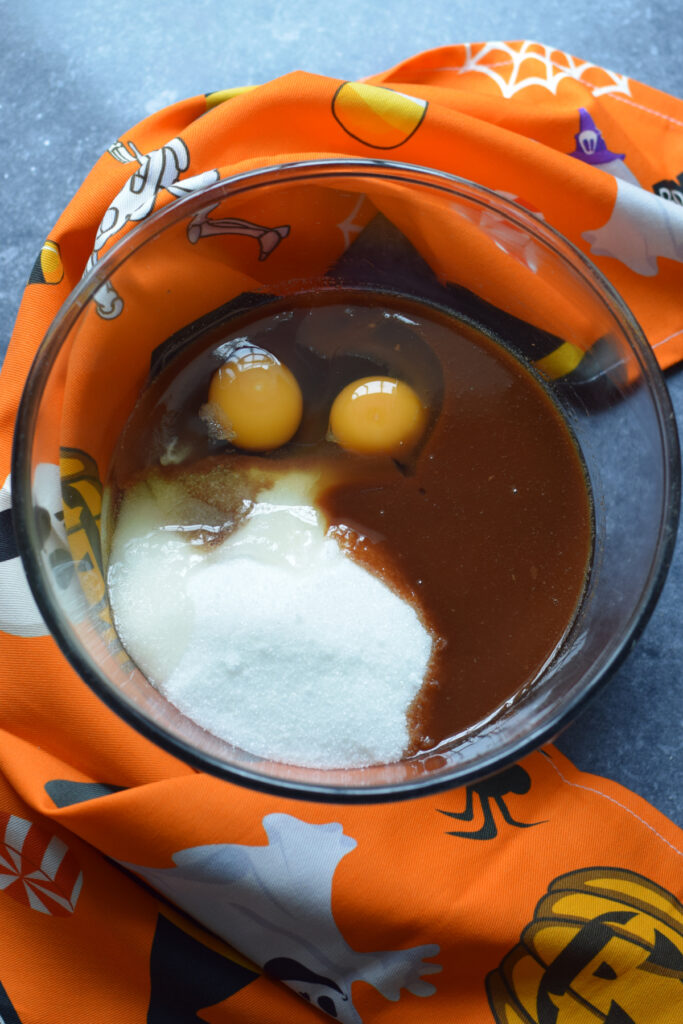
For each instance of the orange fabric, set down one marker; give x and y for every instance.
(543, 895)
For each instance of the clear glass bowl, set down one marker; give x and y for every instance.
(505, 268)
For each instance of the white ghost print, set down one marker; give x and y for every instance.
(273, 903)
(641, 227)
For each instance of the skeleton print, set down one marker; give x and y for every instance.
(158, 170)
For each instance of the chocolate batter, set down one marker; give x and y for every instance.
(487, 529)
(491, 531)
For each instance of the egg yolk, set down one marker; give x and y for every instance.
(255, 401)
(377, 416)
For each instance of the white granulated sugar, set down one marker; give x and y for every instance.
(276, 640)
(147, 582)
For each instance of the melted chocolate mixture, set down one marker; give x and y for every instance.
(488, 529)
(491, 531)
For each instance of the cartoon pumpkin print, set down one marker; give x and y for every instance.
(605, 945)
(82, 497)
(82, 504)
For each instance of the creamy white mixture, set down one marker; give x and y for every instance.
(274, 639)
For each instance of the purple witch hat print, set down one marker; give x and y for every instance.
(590, 145)
(591, 148)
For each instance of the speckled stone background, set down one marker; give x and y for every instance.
(74, 76)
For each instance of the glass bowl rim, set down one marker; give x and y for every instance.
(407, 173)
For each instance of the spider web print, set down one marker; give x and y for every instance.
(524, 61)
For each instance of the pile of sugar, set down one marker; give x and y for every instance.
(274, 640)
